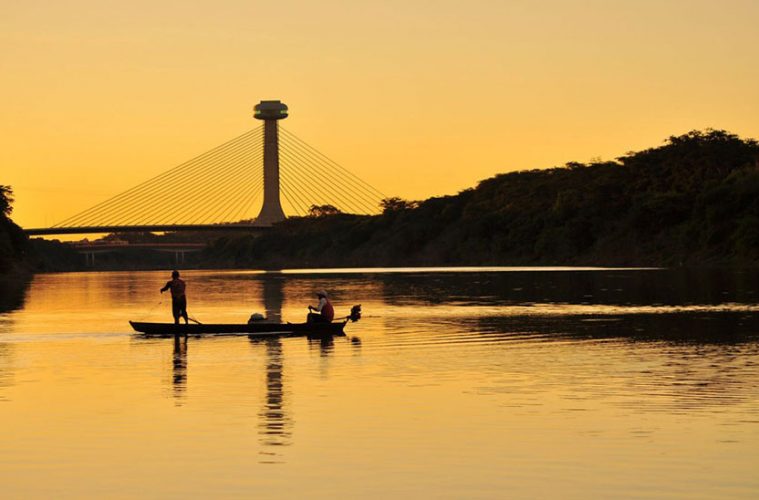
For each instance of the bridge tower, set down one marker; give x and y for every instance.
(270, 112)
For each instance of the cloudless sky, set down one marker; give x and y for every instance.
(419, 98)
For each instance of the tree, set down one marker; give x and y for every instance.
(6, 198)
(323, 210)
(396, 204)
(13, 242)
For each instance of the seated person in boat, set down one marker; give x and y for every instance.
(178, 298)
(323, 312)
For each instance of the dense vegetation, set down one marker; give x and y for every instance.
(14, 245)
(20, 256)
(692, 201)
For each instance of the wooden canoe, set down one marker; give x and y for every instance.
(255, 329)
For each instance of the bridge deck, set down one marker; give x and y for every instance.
(99, 245)
(45, 231)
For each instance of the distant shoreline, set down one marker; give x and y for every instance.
(690, 203)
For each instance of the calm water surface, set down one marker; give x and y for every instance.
(469, 383)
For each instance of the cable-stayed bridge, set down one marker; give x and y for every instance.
(268, 171)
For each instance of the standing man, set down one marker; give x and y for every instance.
(178, 298)
(325, 313)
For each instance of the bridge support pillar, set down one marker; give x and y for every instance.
(271, 210)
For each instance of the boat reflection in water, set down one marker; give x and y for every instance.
(275, 422)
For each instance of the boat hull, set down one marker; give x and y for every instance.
(258, 329)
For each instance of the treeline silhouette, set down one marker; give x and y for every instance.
(692, 201)
(14, 244)
(20, 256)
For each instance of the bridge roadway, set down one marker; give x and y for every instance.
(46, 231)
(179, 249)
(95, 246)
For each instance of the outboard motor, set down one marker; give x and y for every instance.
(355, 313)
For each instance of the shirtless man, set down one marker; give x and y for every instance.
(178, 298)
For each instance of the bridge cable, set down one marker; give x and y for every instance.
(299, 197)
(348, 191)
(191, 206)
(126, 207)
(311, 181)
(318, 178)
(232, 172)
(350, 175)
(195, 184)
(307, 191)
(238, 215)
(295, 198)
(292, 205)
(321, 158)
(364, 197)
(233, 191)
(366, 200)
(318, 182)
(296, 193)
(159, 178)
(110, 204)
(236, 199)
(248, 203)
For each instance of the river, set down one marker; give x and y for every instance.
(456, 383)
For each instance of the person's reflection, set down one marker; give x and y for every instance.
(179, 374)
(325, 344)
(275, 424)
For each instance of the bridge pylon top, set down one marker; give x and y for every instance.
(270, 110)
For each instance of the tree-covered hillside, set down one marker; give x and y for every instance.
(692, 201)
(14, 244)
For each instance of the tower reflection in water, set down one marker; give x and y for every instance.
(275, 423)
(179, 371)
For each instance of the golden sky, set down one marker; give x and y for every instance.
(419, 98)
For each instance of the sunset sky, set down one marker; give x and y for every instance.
(418, 98)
